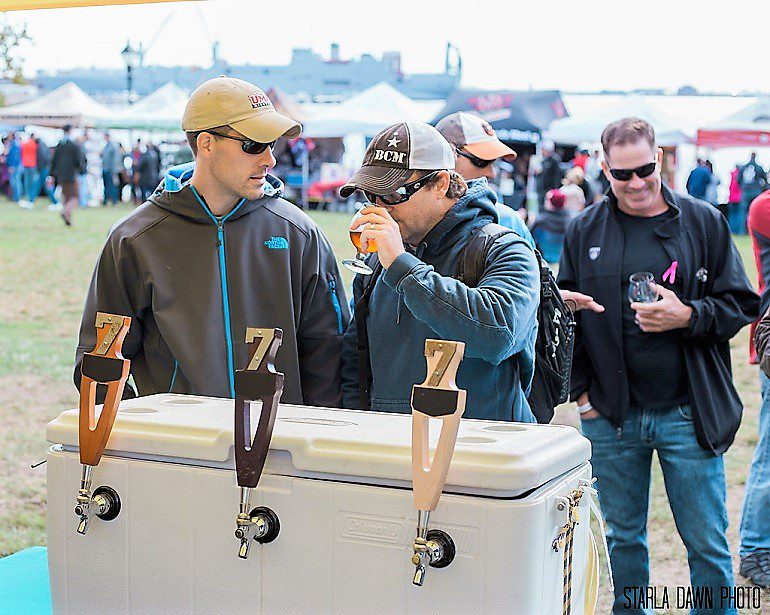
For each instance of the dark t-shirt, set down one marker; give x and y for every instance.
(657, 376)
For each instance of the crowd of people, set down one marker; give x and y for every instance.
(77, 171)
(747, 182)
(215, 249)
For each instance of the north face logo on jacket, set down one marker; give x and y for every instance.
(277, 243)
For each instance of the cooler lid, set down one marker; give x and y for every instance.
(494, 458)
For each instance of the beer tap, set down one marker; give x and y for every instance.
(104, 365)
(437, 397)
(258, 382)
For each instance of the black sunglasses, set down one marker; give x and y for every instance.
(402, 194)
(477, 162)
(247, 145)
(641, 172)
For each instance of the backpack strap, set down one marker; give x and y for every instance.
(360, 312)
(472, 261)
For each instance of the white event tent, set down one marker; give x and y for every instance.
(160, 110)
(366, 113)
(67, 104)
(587, 128)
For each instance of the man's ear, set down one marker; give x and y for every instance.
(442, 184)
(204, 141)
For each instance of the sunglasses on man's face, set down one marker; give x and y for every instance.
(477, 162)
(643, 171)
(247, 145)
(402, 194)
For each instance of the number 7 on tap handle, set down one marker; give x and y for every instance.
(437, 397)
(104, 365)
(258, 382)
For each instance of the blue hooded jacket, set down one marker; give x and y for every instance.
(417, 298)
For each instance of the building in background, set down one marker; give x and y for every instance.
(308, 76)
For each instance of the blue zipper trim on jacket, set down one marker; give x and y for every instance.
(336, 302)
(220, 221)
(173, 377)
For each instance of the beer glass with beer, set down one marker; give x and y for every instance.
(357, 264)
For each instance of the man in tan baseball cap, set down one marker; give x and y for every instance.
(231, 127)
(215, 250)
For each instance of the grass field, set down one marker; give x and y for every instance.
(44, 273)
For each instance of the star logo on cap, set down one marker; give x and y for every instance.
(394, 141)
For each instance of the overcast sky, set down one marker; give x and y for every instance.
(607, 44)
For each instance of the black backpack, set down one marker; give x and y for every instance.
(555, 336)
(555, 323)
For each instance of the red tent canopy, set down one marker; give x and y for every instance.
(733, 137)
(750, 127)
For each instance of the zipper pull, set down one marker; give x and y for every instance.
(619, 432)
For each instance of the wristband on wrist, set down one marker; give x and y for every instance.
(585, 408)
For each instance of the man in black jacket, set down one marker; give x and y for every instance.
(656, 376)
(69, 161)
(549, 175)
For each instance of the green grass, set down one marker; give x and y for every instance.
(45, 269)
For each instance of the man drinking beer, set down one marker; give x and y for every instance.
(421, 215)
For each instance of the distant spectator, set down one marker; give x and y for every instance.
(149, 170)
(13, 162)
(753, 181)
(699, 180)
(109, 156)
(89, 181)
(580, 159)
(124, 175)
(549, 225)
(69, 163)
(577, 191)
(44, 156)
(593, 166)
(136, 154)
(549, 175)
(28, 172)
(5, 184)
(734, 200)
(712, 195)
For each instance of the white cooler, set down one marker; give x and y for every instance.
(340, 483)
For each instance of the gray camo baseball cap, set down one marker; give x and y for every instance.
(395, 153)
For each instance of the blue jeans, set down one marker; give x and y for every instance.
(29, 182)
(42, 183)
(14, 178)
(755, 522)
(695, 485)
(110, 187)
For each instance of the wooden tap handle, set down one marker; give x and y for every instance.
(258, 382)
(105, 365)
(437, 397)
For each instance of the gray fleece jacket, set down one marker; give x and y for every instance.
(192, 283)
